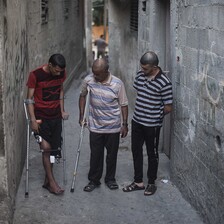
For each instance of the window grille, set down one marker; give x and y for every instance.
(77, 7)
(66, 8)
(134, 15)
(44, 11)
(144, 6)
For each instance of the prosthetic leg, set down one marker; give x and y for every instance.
(80, 141)
(53, 158)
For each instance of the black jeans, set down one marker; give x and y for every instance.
(97, 144)
(150, 136)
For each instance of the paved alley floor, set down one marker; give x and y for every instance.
(102, 205)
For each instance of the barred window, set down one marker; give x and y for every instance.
(134, 15)
(144, 6)
(77, 7)
(66, 8)
(44, 11)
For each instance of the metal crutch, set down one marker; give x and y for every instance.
(27, 150)
(80, 140)
(64, 154)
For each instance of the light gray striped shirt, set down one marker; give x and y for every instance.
(105, 102)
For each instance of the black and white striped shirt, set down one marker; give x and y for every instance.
(152, 95)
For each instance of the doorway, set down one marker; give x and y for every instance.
(164, 7)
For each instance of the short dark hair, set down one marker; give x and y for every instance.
(57, 60)
(149, 58)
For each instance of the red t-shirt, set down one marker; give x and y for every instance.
(47, 93)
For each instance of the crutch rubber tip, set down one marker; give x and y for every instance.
(26, 195)
(72, 190)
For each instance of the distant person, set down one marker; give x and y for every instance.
(45, 99)
(153, 102)
(108, 116)
(101, 45)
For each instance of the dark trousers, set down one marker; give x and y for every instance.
(150, 136)
(97, 144)
(100, 53)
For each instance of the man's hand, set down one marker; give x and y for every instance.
(82, 123)
(64, 115)
(35, 126)
(124, 131)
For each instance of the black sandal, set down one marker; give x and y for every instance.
(90, 187)
(150, 189)
(112, 185)
(133, 187)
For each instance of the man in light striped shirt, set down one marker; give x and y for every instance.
(154, 100)
(107, 108)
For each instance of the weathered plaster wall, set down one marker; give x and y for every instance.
(58, 35)
(4, 202)
(198, 117)
(123, 46)
(88, 31)
(25, 43)
(14, 67)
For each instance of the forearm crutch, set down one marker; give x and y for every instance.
(80, 140)
(64, 153)
(27, 149)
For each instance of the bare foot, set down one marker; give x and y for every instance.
(54, 188)
(56, 191)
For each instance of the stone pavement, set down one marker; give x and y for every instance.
(102, 205)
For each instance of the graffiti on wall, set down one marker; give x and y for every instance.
(209, 75)
(211, 69)
(212, 86)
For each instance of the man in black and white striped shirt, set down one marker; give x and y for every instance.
(154, 100)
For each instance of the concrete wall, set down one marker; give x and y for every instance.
(88, 31)
(13, 70)
(198, 117)
(187, 35)
(25, 43)
(123, 45)
(60, 34)
(4, 201)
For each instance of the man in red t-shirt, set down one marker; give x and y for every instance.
(45, 99)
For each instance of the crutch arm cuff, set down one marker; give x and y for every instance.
(29, 101)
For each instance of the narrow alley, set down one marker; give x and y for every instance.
(188, 38)
(102, 205)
